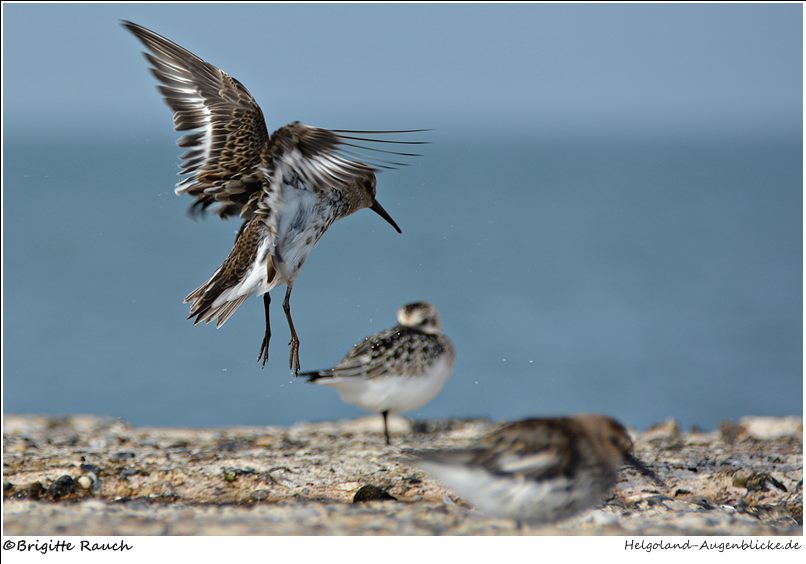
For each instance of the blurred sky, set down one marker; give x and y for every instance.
(482, 67)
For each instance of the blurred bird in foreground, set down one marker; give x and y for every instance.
(537, 471)
(288, 187)
(396, 370)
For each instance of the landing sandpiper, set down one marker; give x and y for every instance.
(287, 187)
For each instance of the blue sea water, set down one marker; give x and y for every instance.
(642, 276)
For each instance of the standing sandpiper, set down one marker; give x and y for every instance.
(396, 370)
(537, 470)
(288, 187)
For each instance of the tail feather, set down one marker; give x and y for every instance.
(206, 304)
(225, 311)
(315, 375)
(247, 270)
(198, 292)
(205, 311)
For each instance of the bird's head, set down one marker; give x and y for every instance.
(367, 199)
(421, 316)
(613, 443)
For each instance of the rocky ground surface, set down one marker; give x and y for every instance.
(87, 475)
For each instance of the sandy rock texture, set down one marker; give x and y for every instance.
(86, 475)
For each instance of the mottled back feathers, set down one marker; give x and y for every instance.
(537, 449)
(399, 350)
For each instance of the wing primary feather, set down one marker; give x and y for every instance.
(380, 150)
(379, 131)
(376, 162)
(384, 140)
(230, 131)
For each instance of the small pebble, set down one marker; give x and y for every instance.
(126, 472)
(371, 493)
(63, 486)
(33, 490)
(230, 473)
(259, 495)
(85, 482)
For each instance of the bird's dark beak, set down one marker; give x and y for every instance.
(378, 208)
(643, 469)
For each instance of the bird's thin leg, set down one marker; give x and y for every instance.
(293, 359)
(264, 347)
(386, 426)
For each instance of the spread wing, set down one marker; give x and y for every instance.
(231, 160)
(312, 158)
(227, 129)
(323, 158)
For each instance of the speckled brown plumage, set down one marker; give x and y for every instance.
(398, 350)
(564, 438)
(288, 187)
(410, 348)
(397, 369)
(232, 271)
(537, 470)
